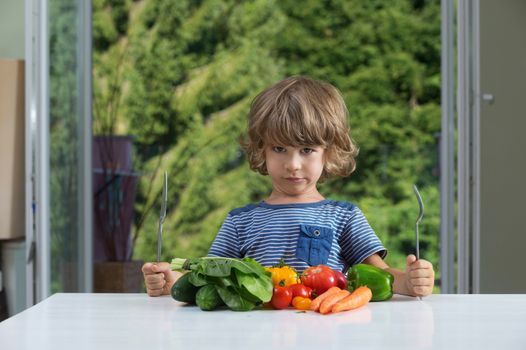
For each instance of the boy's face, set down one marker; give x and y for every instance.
(294, 170)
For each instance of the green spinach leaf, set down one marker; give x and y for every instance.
(234, 300)
(255, 285)
(197, 279)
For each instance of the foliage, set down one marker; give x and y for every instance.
(64, 136)
(193, 67)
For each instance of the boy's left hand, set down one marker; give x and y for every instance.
(419, 276)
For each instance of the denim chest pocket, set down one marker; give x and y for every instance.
(314, 244)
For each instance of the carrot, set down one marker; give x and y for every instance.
(361, 296)
(326, 305)
(315, 305)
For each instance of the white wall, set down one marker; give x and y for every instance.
(503, 146)
(12, 38)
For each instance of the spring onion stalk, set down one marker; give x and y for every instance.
(180, 264)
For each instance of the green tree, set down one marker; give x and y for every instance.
(195, 66)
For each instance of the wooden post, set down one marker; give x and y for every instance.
(12, 115)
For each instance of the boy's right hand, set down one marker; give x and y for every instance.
(158, 278)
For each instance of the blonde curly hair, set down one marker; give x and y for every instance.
(300, 111)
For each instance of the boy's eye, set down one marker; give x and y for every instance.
(307, 150)
(278, 149)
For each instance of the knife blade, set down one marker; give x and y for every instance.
(164, 200)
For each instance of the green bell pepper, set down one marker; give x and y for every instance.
(378, 280)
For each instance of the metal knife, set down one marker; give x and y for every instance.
(164, 199)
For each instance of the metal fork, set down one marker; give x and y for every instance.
(164, 199)
(420, 216)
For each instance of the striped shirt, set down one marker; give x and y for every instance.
(271, 232)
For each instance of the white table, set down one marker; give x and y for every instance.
(136, 321)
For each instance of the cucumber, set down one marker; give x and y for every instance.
(183, 290)
(208, 298)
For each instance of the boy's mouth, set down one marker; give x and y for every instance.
(294, 179)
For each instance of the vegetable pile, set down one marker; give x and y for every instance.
(325, 290)
(243, 284)
(240, 284)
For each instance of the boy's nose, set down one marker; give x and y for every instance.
(293, 163)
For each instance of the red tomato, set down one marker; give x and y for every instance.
(319, 278)
(341, 279)
(300, 290)
(281, 297)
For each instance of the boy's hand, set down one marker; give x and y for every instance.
(158, 278)
(419, 276)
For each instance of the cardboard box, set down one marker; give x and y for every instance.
(12, 115)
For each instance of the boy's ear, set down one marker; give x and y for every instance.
(326, 157)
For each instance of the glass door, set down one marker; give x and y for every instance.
(59, 139)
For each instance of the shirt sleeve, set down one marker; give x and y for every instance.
(358, 240)
(226, 243)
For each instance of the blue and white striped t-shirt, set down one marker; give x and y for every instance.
(330, 232)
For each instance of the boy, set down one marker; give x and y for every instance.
(298, 135)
